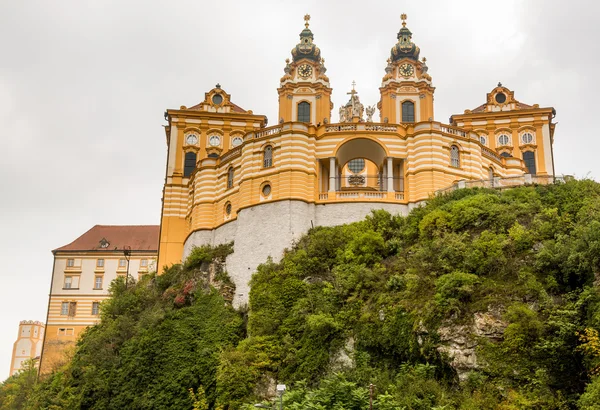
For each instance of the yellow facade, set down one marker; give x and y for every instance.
(311, 158)
(81, 277)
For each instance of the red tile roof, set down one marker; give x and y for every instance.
(138, 237)
(520, 106)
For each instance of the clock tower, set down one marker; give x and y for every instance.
(304, 91)
(406, 90)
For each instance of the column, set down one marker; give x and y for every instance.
(390, 174)
(332, 174)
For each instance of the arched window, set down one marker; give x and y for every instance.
(189, 164)
(454, 156)
(529, 159)
(230, 178)
(408, 111)
(503, 139)
(527, 138)
(505, 155)
(268, 157)
(304, 112)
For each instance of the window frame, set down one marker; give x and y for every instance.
(100, 263)
(188, 170)
(500, 143)
(68, 282)
(306, 107)
(454, 156)
(268, 161)
(70, 263)
(96, 282)
(406, 117)
(95, 308)
(531, 160)
(64, 308)
(230, 176)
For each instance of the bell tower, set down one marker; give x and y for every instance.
(406, 90)
(304, 91)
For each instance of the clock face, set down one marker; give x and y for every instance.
(406, 70)
(215, 141)
(192, 139)
(305, 71)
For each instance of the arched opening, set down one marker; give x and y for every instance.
(304, 112)
(189, 164)
(360, 166)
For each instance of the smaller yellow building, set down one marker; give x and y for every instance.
(28, 344)
(81, 276)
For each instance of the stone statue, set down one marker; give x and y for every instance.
(342, 114)
(370, 111)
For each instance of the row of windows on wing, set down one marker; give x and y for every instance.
(213, 140)
(191, 158)
(70, 309)
(505, 139)
(100, 263)
(528, 159)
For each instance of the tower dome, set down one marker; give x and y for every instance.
(306, 48)
(405, 48)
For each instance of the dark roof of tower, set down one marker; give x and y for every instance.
(306, 48)
(405, 48)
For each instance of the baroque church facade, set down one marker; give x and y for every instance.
(230, 178)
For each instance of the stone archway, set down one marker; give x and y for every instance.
(369, 150)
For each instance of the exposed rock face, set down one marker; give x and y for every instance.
(343, 358)
(460, 341)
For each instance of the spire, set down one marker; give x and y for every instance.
(306, 48)
(405, 48)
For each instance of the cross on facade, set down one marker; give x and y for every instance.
(306, 18)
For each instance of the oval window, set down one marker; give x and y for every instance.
(237, 141)
(500, 98)
(217, 99)
(266, 190)
(356, 165)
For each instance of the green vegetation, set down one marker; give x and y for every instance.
(482, 299)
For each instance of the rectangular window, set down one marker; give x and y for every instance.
(122, 263)
(144, 263)
(64, 308)
(68, 282)
(408, 111)
(100, 263)
(95, 308)
(66, 331)
(98, 282)
(70, 263)
(304, 112)
(72, 308)
(529, 159)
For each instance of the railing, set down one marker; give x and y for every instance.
(453, 131)
(339, 128)
(400, 196)
(510, 182)
(268, 131)
(490, 154)
(236, 152)
(324, 197)
(385, 128)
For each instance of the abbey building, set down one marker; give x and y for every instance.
(229, 177)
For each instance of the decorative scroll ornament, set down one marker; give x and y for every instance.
(356, 180)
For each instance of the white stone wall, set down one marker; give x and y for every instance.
(268, 229)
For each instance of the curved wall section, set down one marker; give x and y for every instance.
(266, 230)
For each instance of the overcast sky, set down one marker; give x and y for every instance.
(84, 84)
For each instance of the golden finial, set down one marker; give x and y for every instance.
(287, 60)
(424, 59)
(403, 17)
(306, 18)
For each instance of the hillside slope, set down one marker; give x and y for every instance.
(481, 299)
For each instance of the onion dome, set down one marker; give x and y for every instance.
(306, 48)
(405, 48)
